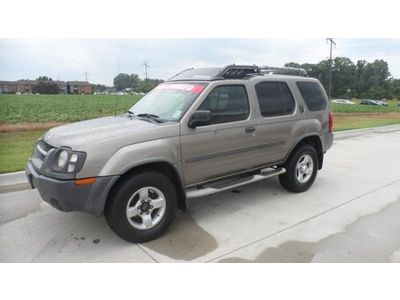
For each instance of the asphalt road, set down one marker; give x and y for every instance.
(351, 214)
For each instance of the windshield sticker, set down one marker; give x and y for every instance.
(194, 88)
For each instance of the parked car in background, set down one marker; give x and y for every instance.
(371, 102)
(381, 103)
(342, 101)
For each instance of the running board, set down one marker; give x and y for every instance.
(232, 183)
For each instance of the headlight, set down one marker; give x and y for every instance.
(64, 163)
(62, 159)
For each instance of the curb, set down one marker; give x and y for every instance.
(12, 182)
(17, 181)
(346, 134)
(12, 178)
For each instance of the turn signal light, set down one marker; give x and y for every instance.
(84, 181)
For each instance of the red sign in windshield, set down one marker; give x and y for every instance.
(193, 88)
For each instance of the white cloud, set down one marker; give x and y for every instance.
(68, 59)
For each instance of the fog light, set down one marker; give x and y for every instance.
(71, 168)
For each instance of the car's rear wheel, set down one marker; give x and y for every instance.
(301, 169)
(141, 207)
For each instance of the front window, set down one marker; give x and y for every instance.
(227, 103)
(168, 101)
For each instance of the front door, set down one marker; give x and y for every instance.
(227, 145)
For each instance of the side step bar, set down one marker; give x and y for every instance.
(233, 183)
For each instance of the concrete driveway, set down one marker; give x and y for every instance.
(351, 214)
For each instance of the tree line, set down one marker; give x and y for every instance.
(354, 80)
(133, 83)
(361, 79)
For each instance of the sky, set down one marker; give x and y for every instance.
(103, 59)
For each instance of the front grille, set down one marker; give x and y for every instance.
(40, 153)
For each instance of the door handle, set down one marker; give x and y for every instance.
(250, 129)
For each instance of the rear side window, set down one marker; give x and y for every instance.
(227, 103)
(274, 98)
(313, 95)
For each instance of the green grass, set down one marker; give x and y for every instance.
(365, 124)
(358, 108)
(15, 149)
(61, 108)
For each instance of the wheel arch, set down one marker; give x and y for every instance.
(312, 140)
(169, 170)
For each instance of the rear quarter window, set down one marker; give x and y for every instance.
(313, 95)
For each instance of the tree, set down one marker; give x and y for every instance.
(98, 88)
(123, 81)
(44, 78)
(46, 87)
(361, 80)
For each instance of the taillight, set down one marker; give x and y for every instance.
(330, 121)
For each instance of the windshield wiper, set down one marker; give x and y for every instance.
(150, 116)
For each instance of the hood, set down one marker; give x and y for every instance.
(101, 130)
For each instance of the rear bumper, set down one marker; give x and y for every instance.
(66, 196)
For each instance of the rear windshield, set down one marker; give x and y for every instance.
(313, 95)
(168, 101)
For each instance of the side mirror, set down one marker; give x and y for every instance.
(200, 118)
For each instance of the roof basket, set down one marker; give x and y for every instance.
(283, 70)
(238, 72)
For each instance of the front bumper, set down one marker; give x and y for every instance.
(66, 196)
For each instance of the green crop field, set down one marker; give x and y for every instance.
(16, 142)
(61, 108)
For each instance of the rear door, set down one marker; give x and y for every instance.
(279, 124)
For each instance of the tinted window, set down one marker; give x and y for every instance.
(227, 104)
(275, 99)
(313, 95)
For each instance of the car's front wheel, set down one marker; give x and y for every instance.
(301, 169)
(142, 207)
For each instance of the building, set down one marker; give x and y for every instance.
(25, 86)
(78, 87)
(8, 87)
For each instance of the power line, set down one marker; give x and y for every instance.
(330, 65)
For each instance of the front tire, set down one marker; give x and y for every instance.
(301, 170)
(142, 207)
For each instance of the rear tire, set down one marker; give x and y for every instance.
(301, 170)
(142, 207)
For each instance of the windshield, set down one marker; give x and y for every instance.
(168, 101)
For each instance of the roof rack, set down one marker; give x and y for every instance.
(283, 70)
(238, 71)
(234, 72)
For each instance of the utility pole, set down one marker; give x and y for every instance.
(86, 75)
(330, 40)
(146, 72)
